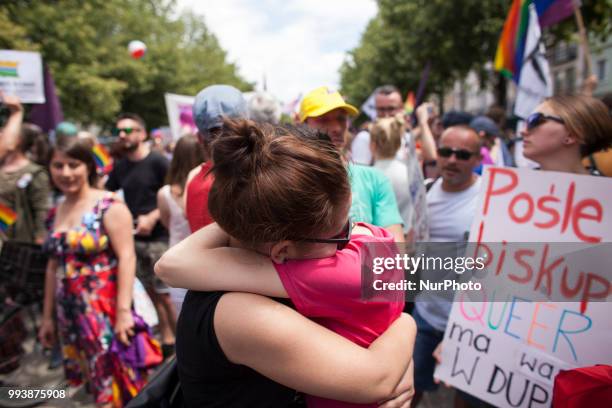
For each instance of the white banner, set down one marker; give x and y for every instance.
(508, 352)
(21, 74)
(180, 115)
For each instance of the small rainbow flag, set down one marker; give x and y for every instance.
(410, 103)
(511, 46)
(104, 161)
(8, 68)
(7, 217)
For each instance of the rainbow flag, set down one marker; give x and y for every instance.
(511, 47)
(7, 217)
(8, 68)
(410, 103)
(104, 161)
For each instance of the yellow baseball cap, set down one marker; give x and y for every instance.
(322, 100)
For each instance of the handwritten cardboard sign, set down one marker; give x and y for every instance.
(508, 352)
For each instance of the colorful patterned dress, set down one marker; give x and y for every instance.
(86, 294)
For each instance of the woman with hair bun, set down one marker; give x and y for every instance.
(281, 199)
(566, 128)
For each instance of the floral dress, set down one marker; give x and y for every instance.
(86, 294)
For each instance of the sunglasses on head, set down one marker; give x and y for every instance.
(460, 154)
(536, 119)
(127, 130)
(341, 239)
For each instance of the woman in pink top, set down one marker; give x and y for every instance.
(281, 199)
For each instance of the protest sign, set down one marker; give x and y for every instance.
(21, 74)
(180, 116)
(507, 350)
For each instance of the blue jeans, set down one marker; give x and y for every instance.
(427, 339)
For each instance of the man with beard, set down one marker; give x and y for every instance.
(140, 174)
(451, 205)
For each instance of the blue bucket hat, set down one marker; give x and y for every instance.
(215, 102)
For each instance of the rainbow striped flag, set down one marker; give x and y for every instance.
(8, 68)
(104, 161)
(410, 103)
(7, 217)
(511, 47)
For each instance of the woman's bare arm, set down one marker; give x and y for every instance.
(164, 211)
(122, 241)
(288, 348)
(195, 263)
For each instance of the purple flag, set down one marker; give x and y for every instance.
(47, 115)
(552, 11)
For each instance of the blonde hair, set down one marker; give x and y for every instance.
(386, 134)
(587, 119)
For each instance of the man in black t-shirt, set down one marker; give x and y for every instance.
(140, 174)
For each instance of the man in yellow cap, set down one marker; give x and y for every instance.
(373, 197)
(326, 110)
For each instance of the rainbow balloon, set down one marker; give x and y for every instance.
(511, 46)
(104, 161)
(7, 217)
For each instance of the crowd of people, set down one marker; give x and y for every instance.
(249, 240)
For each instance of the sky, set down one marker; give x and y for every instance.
(297, 44)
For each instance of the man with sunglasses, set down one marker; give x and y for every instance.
(451, 206)
(140, 174)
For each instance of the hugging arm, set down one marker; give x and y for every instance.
(286, 347)
(195, 263)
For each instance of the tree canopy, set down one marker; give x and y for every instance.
(455, 37)
(84, 44)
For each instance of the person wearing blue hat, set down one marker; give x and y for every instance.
(494, 151)
(211, 105)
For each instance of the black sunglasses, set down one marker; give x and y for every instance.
(536, 119)
(460, 154)
(341, 239)
(127, 130)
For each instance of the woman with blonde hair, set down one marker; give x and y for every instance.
(386, 140)
(566, 128)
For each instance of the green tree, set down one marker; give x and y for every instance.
(455, 37)
(84, 44)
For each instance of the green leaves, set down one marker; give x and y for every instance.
(456, 36)
(84, 43)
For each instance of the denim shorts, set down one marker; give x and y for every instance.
(427, 339)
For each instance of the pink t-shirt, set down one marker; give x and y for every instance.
(328, 290)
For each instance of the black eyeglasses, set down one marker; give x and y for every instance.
(341, 239)
(127, 130)
(536, 119)
(460, 154)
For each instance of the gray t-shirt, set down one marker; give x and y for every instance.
(450, 218)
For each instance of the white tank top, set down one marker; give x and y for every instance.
(178, 227)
